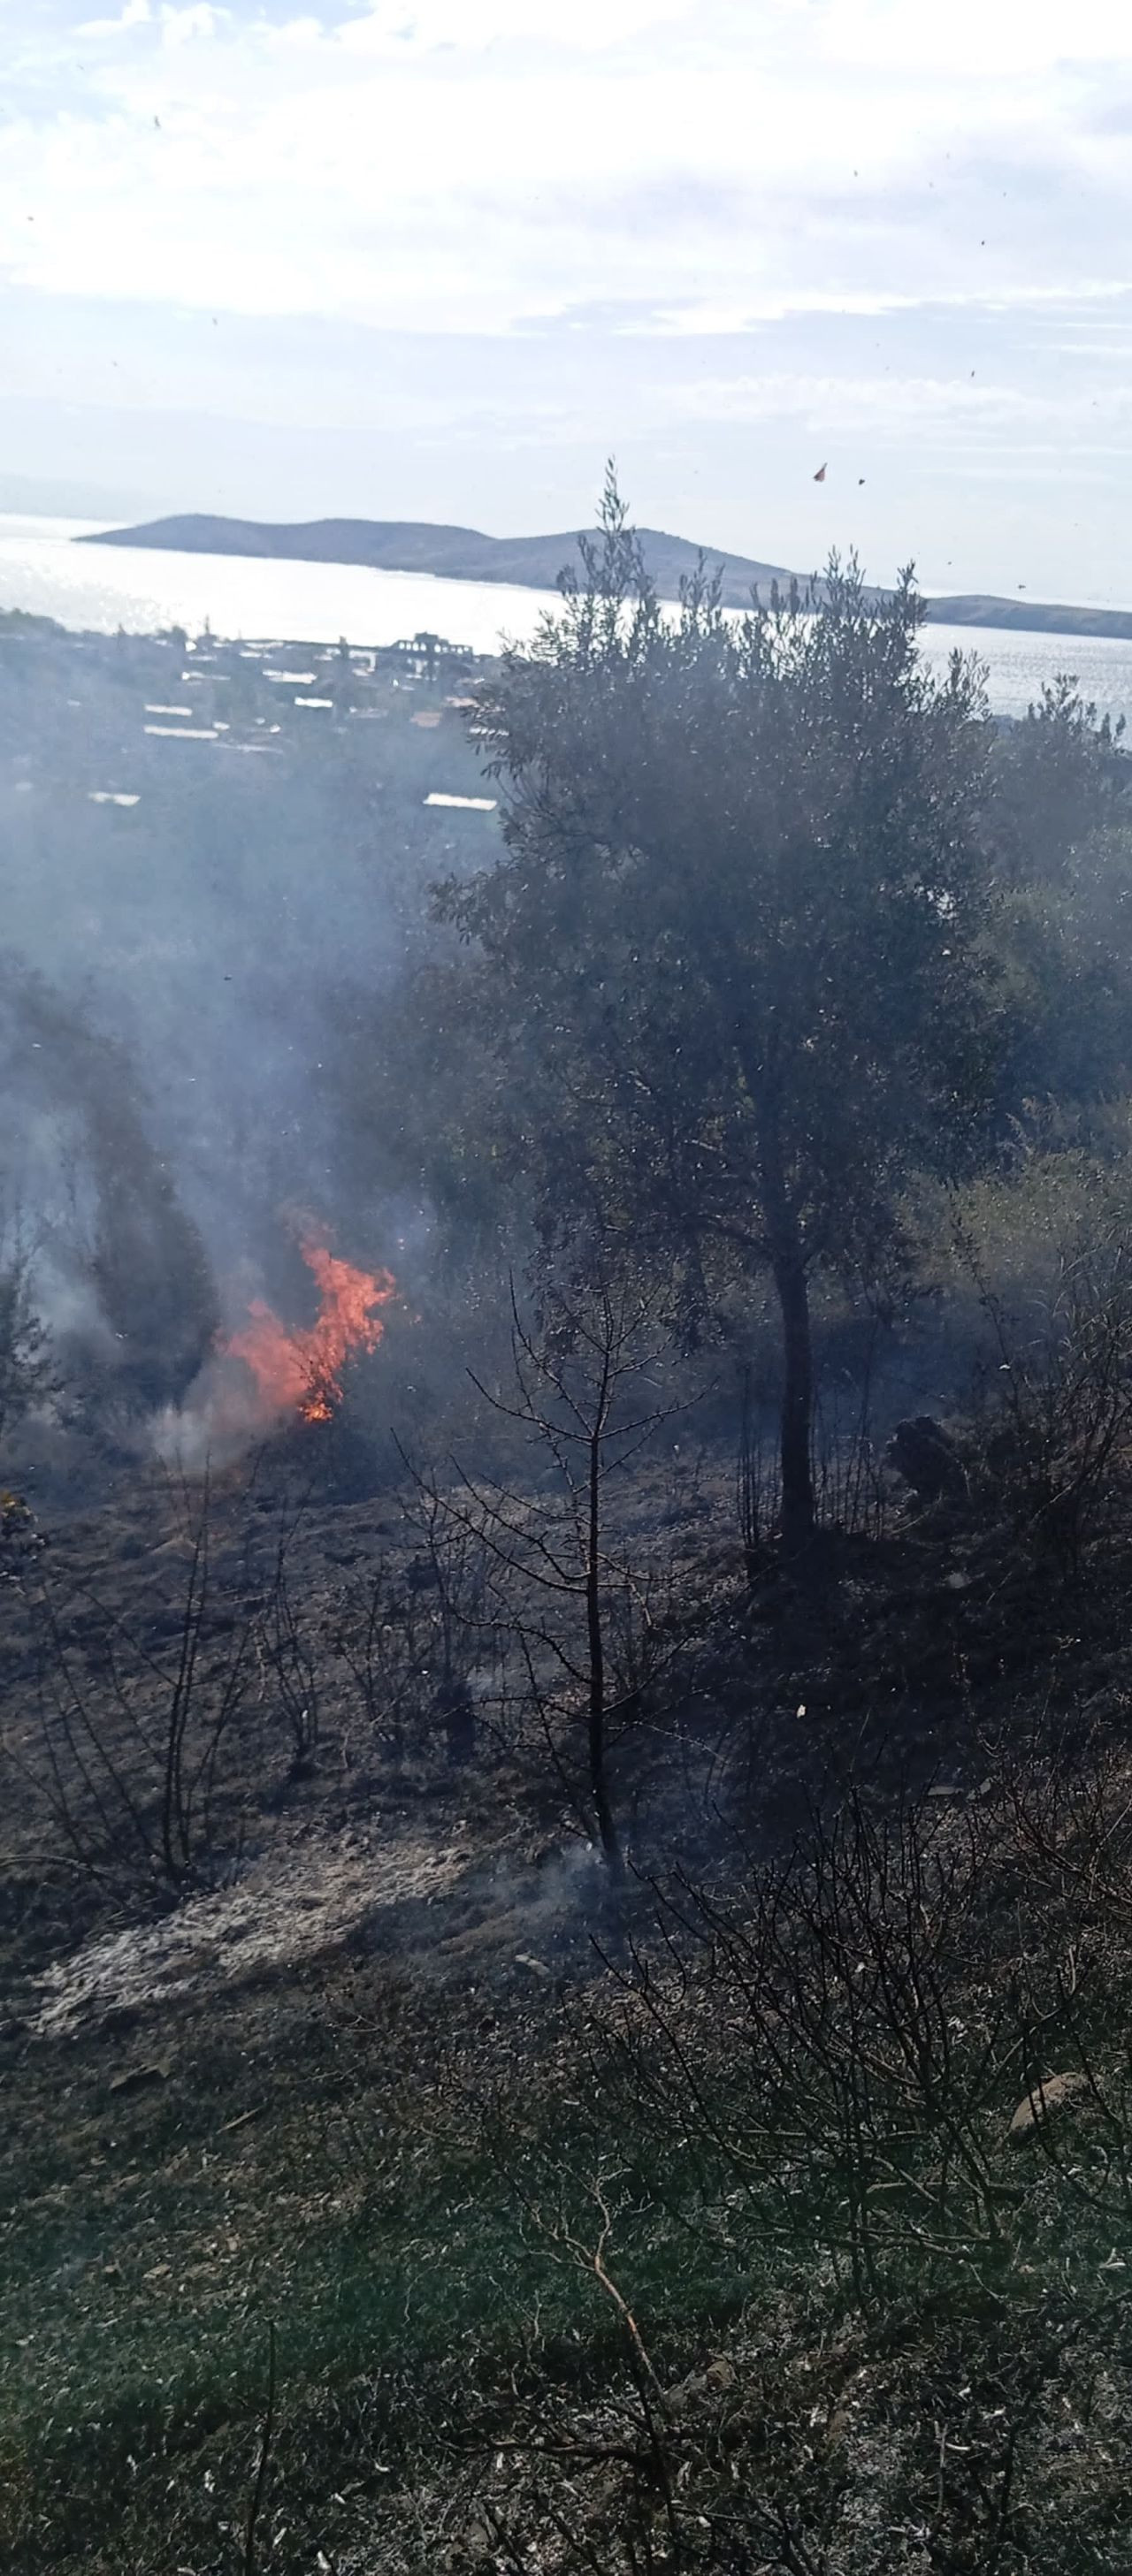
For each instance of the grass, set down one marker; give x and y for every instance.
(424, 2311)
(142, 2275)
(405, 2178)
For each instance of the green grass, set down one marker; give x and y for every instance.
(393, 2221)
(418, 2304)
(385, 2173)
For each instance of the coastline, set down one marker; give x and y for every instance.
(466, 555)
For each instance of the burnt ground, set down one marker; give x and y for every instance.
(329, 2082)
(895, 1664)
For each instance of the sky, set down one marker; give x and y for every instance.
(437, 258)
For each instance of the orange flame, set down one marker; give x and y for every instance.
(301, 1371)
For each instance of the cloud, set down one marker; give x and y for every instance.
(472, 26)
(440, 165)
(697, 228)
(959, 408)
(135, 13)
(179, 26)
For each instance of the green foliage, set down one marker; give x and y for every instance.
(737, 911)
(1066, 949)
(731, 974)
(1060, 831)
(788, 2244)
(1058, 779)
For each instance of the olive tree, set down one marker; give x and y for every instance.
(727, 981)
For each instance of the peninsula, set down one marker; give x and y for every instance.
(535, 563)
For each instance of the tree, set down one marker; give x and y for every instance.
(1058, 778)
(555, 1581)
(137, 1247)
(1060, 826)
(730, 971)
(28, 1376)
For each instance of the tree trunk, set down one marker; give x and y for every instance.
(798, 1508)
(599, 1784)
(788, 1269)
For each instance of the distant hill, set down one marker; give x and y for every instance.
(534, 563)
(1031, 616)
(409, 545)
(416, 545)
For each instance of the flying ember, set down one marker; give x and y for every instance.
(300, 1371)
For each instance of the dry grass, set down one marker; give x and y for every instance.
(375, 2088)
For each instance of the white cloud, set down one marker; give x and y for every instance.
(894, 407)
(463, 165)
(135, 13)
(470, 26)
(180, 25)
(967, 38)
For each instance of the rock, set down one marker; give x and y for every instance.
(925, 1455)
(1049, 2093)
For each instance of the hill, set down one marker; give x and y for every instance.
(1031, 616)
(638, 2237)
(534, 563)
(415, 545)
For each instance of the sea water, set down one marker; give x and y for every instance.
(99, 588)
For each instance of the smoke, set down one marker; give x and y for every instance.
(186, 976)
(221, 1418)
(122, 1273)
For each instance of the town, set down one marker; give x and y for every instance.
(249, 698)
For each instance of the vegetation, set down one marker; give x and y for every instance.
(567, 1971)
(732, 969)
(28, 1376)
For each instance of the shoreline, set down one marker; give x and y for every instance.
(466, 556)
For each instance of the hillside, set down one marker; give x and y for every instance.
(415, 545)
(534, 563)
(374, 2200)
(553, 2022)
(1031, 616)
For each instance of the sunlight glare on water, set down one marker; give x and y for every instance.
(101, 588)
(146, 590)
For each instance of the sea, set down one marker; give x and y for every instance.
(96, 590)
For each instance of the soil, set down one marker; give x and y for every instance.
(268, 2088)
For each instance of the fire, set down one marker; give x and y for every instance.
(301, 1371)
